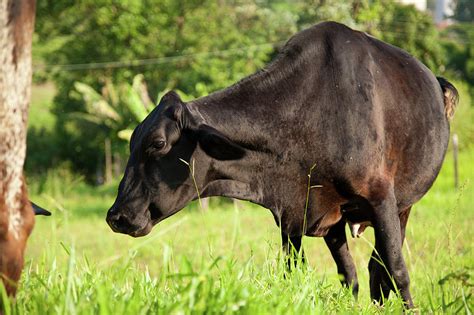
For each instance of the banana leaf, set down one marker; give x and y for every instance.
(135, 105)
(95, 103)
(125, 134)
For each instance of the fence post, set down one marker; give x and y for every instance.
(455, 158)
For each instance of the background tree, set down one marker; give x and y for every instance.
(16, 215)
(464, 11)
(186, 46)
(403, 26)
(458, 42)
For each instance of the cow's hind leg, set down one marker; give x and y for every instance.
(380, 283)
(292, 248)
(337, 243)
(388, 244)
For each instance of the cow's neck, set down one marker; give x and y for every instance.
(247, 114)
(248, 111)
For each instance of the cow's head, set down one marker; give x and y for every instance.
(157, 182)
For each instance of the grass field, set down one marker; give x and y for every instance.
(227, 259)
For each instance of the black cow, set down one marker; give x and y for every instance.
(367, 122)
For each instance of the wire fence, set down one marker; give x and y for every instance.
(183, 57)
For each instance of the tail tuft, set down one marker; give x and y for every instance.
(451, 96)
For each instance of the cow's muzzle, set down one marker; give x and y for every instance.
(121, 223)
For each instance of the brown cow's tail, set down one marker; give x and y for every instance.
(451, 96)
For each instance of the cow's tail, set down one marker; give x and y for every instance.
(451, 96)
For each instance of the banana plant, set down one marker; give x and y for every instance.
(120, 108)
(115, 107)
(139, 104)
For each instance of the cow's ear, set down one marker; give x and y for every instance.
(218, 146)
(176, 105)
(170, 97)
(39, 211)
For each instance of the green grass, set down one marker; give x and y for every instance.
(227, 259)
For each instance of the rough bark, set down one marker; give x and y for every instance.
(16, 215)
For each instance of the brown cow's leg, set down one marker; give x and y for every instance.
(11, 263)
(292, 247)
(12, 245)
(380, 283)
(388, 242)
(337, 243)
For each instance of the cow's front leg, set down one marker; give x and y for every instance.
(388, 244)
(292, 248)
(337, 243)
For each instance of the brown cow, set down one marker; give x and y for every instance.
(16, 213)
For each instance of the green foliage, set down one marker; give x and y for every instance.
(463, 121)
(97, 107)
(459, 46)
(464, 11)
(111, 111)
(119, 109)
(403, 26)
(313, 11)
(142, 29)
(131, 30)
(42, 149)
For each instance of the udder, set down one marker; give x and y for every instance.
(357, 212)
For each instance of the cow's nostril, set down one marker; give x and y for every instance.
(115, 220)
(112, 211)
(111, 216)
(122, 221)
(111, 221)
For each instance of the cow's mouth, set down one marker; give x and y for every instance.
(155, 213)
(137, 226)
(154, 216)
(143, 231)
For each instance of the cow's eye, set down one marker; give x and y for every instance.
(158, 145)
(155, 148)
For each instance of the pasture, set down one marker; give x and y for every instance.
(227, 259)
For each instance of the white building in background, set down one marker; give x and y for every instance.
(419, 4)
(444, 9)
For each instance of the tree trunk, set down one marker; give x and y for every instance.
(108, 161)
(118, 170)
(16, 215)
